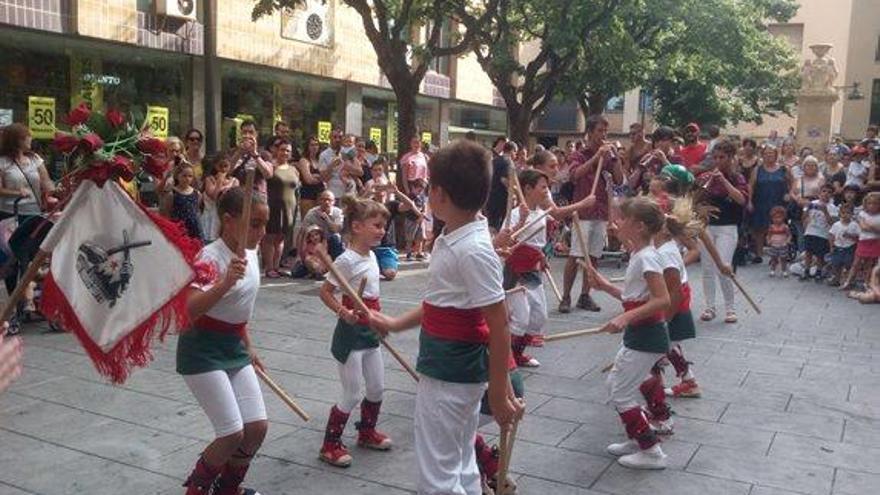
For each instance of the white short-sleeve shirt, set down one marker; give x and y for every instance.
(465, 272)
(335, 184)
(670, 257)
(819, 225)
(635, 287)
(237, 305)
(873, 221)
(354, 267)
(539, 239)
(845, 235)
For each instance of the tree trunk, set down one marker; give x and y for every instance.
(596, 103)
(406, 123)
(520, 123)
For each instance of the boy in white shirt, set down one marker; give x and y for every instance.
(463, 317)
(818, 217)
(844, 236)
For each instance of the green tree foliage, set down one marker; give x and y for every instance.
(710, 61)
(527, 79)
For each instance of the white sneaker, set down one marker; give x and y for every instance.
(786, 274)
(663, 427)
(623, 448)
(772, 273)
(652, 458)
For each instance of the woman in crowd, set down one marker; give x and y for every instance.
(728, 193)
(833, 171)
(770, 184)
(748, 157)
(193, 153)
(312, 185)
(789, 158)
(217, 182)
(807, 187)
(281, 196)
(25, 184)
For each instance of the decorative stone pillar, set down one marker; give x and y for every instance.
(816, 99)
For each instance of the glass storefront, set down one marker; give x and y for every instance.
(69, 71)
(380, 118)
(486, 123)
(268, 96)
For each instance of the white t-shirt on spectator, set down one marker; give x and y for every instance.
(818, 224)
(335, 184)
(856, 173)
(873, 221)
(845, 235)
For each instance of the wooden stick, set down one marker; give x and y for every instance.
(576, 225)
(527, 238)
(362, 287)
(508, 437)
(553, 284)
(599, 168)
(716, 258)
(281, 394)
(529, 225)
(245, 225)
(510, 194)
(607, 367)
(573, 333)
(745, 293)
(517, 289)
(518, 189)
(29, 275)
(349, 291)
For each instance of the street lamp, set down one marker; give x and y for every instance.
(854, 92)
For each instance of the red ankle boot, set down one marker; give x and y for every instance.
(333, 452)
(368, 436)
(201, 479)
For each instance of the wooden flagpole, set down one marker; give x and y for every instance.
(243, 230)
(350, 292)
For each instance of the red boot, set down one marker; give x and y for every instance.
(333, 452)
(660, 413)
(368, 436)
(518, 347)
(201, 479)
(229, 482)
(487, 462)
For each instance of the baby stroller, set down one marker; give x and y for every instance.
(20, 239)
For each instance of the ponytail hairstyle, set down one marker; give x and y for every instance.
(540, 158)
(356, 209)
(642, 209)
(683, 222)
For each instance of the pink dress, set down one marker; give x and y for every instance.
(415, 166)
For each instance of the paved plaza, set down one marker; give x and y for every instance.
(790, 405)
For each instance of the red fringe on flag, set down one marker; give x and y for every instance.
(134, 349)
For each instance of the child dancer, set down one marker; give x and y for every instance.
(818, 217)
(355, 346)
(215, 356)
(868, 248)
(463, 316)
(525, 264)
(645, 338)
(778, 240)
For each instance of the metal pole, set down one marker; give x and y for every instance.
(212, 141)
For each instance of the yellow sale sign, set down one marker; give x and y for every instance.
(157, 119)
(376, 136)
(324, 129)
(41, 116)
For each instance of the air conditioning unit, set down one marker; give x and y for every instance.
(182, 9)
(309, 22)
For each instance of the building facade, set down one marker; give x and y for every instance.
(313, 68)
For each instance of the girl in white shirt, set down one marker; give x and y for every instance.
(645, 340)
(355, 347)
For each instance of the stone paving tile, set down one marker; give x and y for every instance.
(736, 437)
(11, 490)
(834, 454)
(565, 466)
(852, 483)
(825, 427)
(862, 433)
(764, 490)
(622, 481)
(529, 484)
(539, 429)
(771, 472)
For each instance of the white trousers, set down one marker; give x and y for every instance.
(595, 237)
(628, 372)
(446, 419)
(528, 311)
(725, 238)
(230, 398)
(366, 363)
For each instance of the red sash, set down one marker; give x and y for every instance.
(652, 319)
(371, 303)
(461, 325)
(685, 304)
(525, 259)
(209, 324)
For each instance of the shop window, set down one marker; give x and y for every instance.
(440, 65)
(615, 104)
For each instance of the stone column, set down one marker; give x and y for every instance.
(816, 99)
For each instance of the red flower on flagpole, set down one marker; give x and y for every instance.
(114, 117)
(151, 146)
(91, 143)
(155, 167)
(79, 115)
(65, 143)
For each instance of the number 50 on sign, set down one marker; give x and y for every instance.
(41, 116)
(157, 119)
